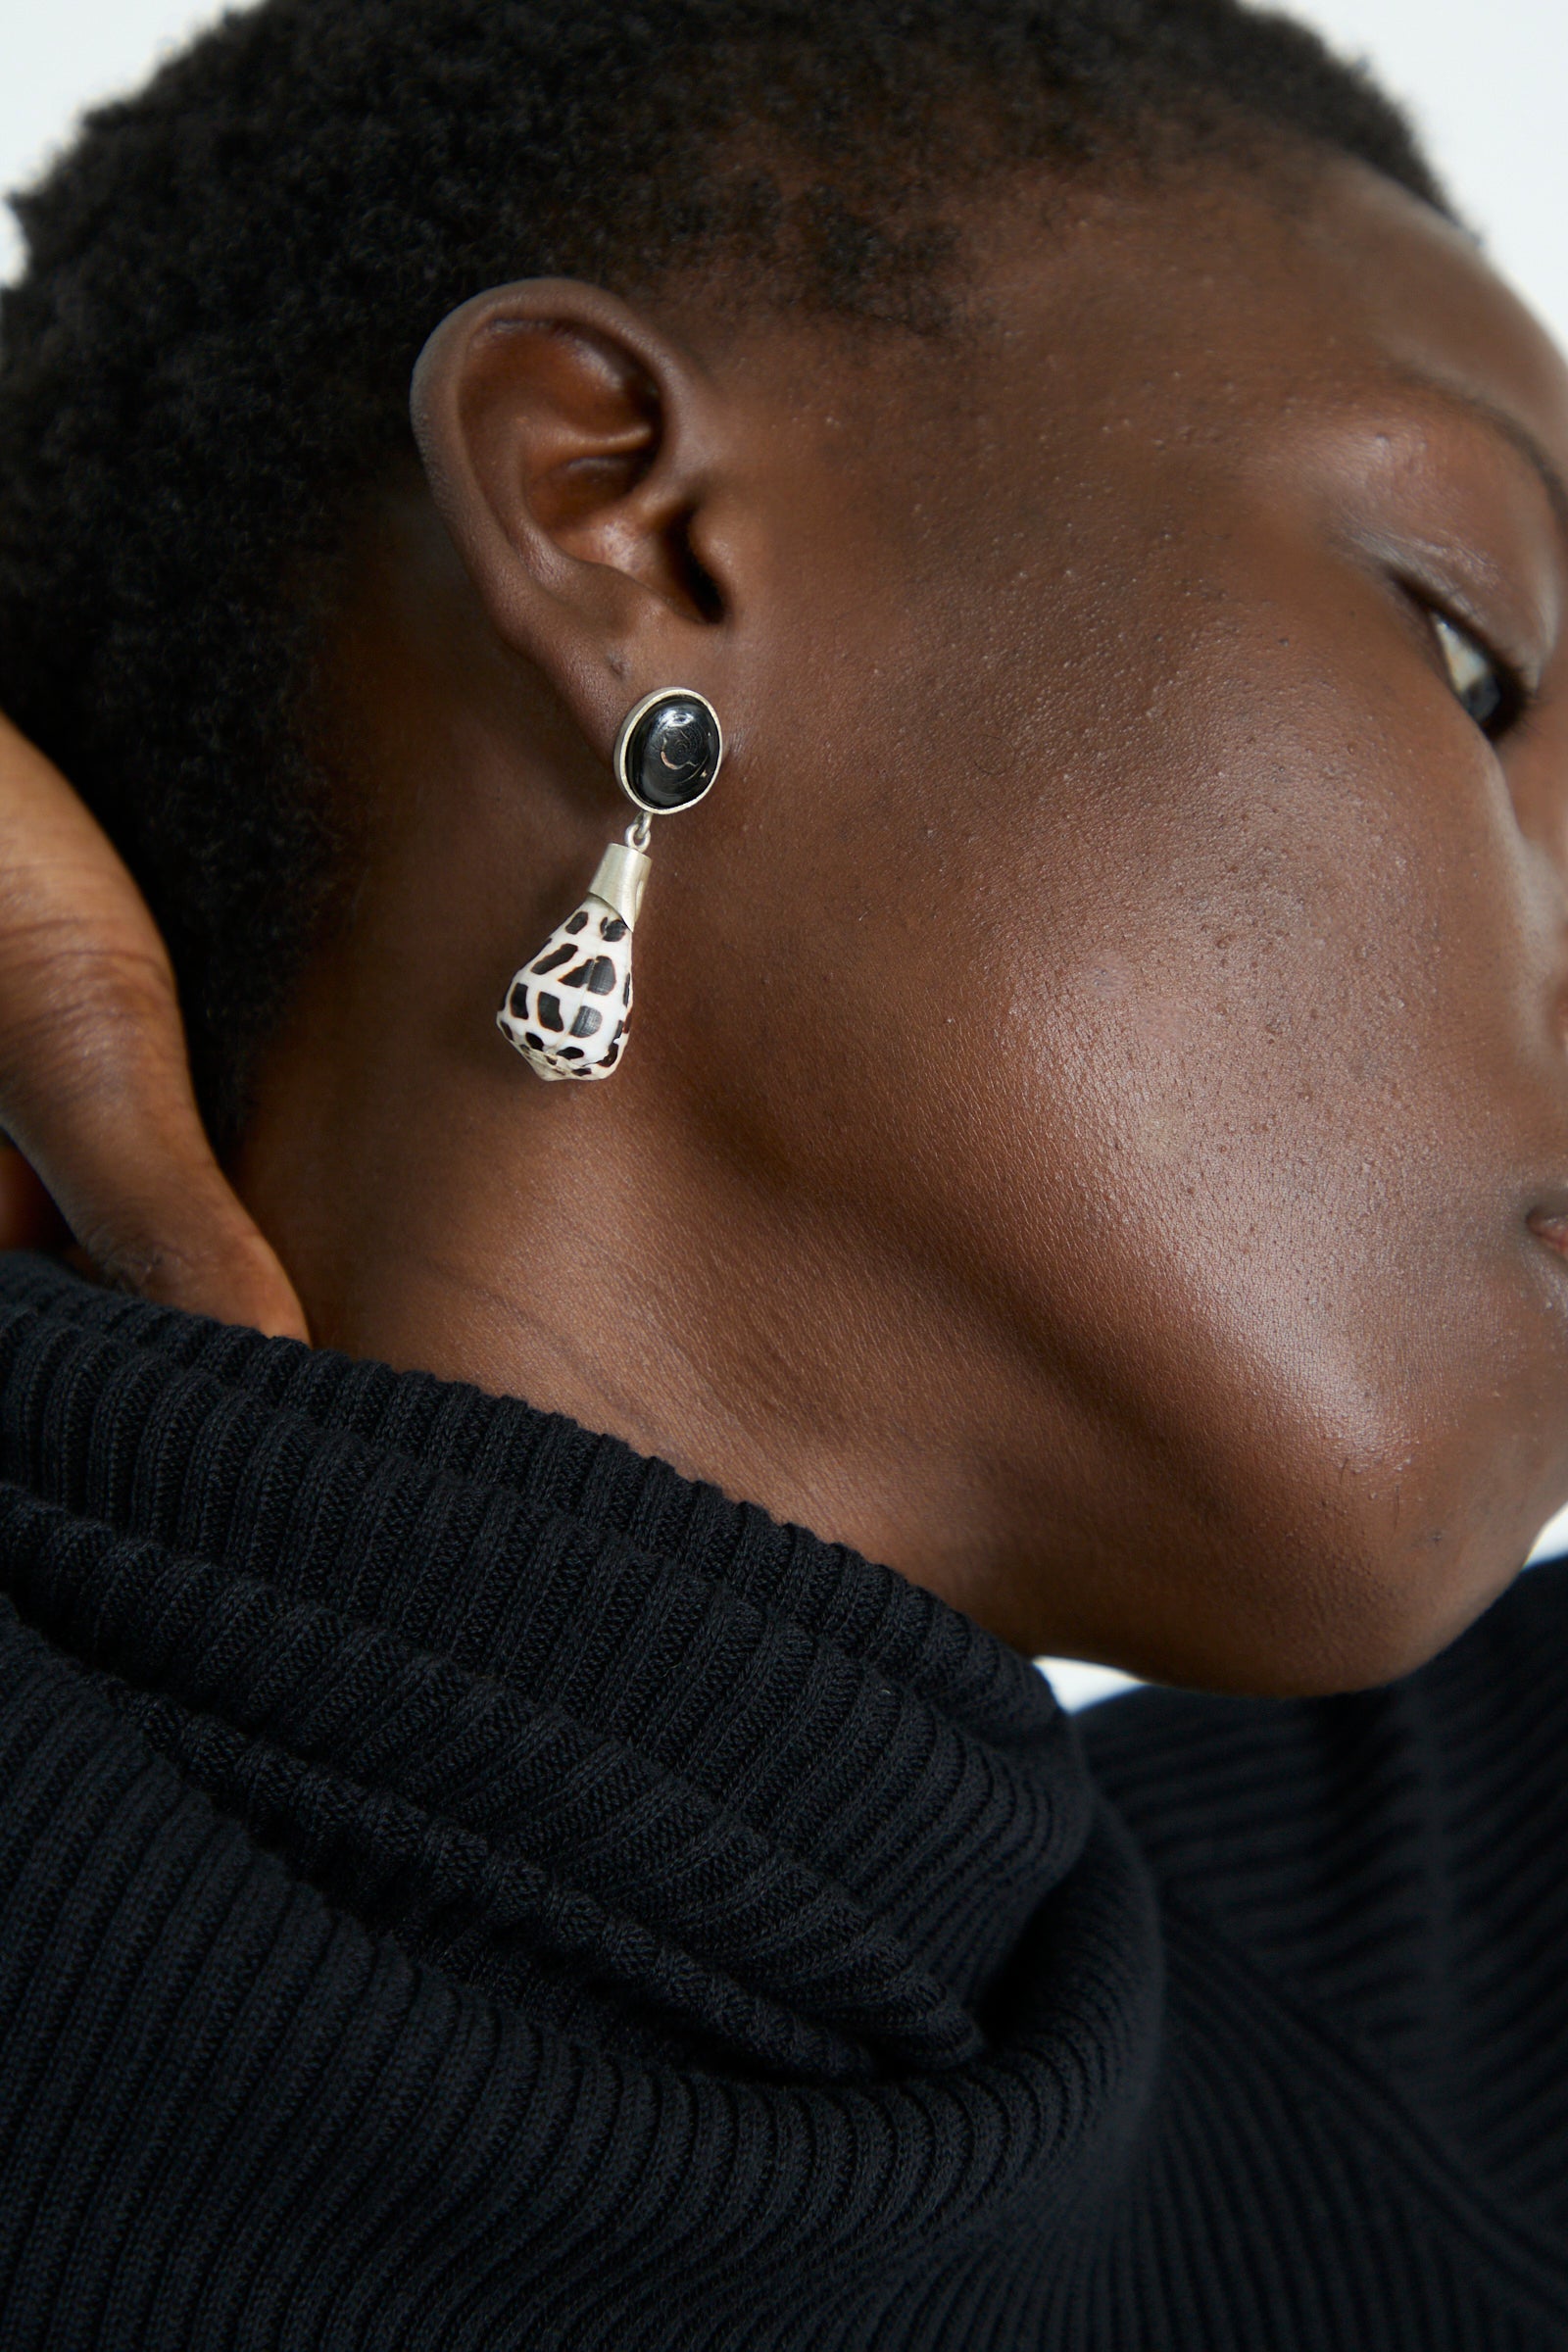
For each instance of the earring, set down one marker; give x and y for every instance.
(567, 1011)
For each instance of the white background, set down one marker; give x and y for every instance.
(1485, 79)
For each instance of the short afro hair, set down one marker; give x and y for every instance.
(230, 277)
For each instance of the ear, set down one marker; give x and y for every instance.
(576, 457)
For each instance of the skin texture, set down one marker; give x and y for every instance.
(1096, 1118)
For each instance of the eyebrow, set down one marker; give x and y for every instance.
(1479, 410)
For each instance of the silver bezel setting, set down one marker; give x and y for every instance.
(628, 726)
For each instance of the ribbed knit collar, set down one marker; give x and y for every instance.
(570, 1727)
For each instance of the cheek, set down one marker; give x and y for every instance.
(1290, 1096)
(1216, 1067)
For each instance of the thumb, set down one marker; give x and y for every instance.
(95, 1086)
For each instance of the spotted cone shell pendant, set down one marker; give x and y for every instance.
(567, 1011)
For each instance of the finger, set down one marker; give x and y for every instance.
(95, 1082)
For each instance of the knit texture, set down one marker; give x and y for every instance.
(463, 1886)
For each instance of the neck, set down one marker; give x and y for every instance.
(571, 1249)
(661, 1256)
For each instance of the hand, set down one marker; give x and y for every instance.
(95, 1084)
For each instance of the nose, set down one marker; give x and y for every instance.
(1537, 773)
(1535, 769)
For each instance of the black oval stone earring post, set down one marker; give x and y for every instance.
(567, 1011)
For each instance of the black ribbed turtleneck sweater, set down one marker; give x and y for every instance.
(461, 1885)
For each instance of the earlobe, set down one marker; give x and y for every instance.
(568, 447)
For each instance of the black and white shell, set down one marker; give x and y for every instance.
(567, 1011)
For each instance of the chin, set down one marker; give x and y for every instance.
(1352, 1617)
(1403, 1604)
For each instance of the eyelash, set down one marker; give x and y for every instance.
(1496, 719)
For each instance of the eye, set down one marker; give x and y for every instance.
(1489, 694)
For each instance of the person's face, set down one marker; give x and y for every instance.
(1148, 943)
